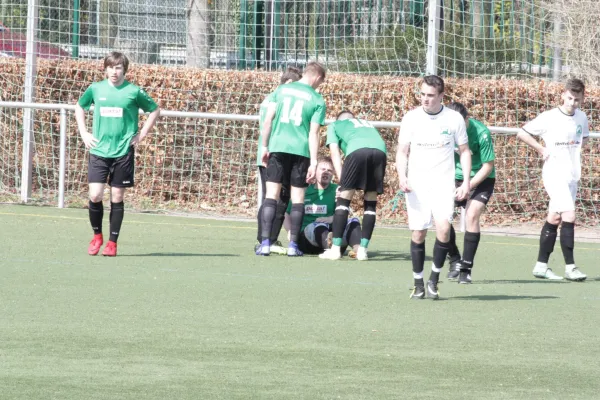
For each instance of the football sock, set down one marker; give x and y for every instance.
(353, 233)
(417, 255)
(321, 233)
(470, 248)
(340, 219)
(96, 213)
(440, 251)
(279, 217)
(269, 208)
(259, 220)
(117, 211)
(453, 252)
(547, 240)
(368, 222)
(567, 241)
(296, 214)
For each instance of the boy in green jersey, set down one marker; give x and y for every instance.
(112, 143)
(319, 208)
(292, 74)
(364, 169)
(290, 143)
(483, 178)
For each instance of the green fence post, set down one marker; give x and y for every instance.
(75, 39)
(243, 34)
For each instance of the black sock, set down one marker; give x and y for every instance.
(547, 240)
(470, 248)
(96, 213)
(368, 222)
(117, 211)
(296, 215)
(340, 219)
(417, 255)
(440, 251)
(269, 208)
(453, 252)
(321, 233)
(259, 220)
(353, 233)
(567, 241)
(279, 218)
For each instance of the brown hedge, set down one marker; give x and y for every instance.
(192, 164)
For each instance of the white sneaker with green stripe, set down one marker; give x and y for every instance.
(572, 273)
(542, 271)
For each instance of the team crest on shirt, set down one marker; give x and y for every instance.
(445, 131)
(579, 130)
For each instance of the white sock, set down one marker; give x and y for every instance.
(336, 249)
(418, 275)
(540, 265)
(570, 267)
(435, 269)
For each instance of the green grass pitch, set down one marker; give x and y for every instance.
(186, 311)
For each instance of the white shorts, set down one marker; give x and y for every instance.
(562, 195)
(422, 205)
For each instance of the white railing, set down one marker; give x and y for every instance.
(63, 108)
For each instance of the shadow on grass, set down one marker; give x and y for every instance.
(392, 256)
(492, 297)
(179, 255)
(515, 281)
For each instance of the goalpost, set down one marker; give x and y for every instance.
(499, 57)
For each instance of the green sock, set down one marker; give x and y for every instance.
(364, 243)
(337, 241)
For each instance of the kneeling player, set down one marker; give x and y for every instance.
(364, 169)
(483, 178)
(319, 206)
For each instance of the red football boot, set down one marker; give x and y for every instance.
(110, 250)
(95, 244)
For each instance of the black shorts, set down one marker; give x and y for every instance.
(482, 193)
(119, 171)
(364, 169)
(288, 169)
(307, 247)
(285, 187)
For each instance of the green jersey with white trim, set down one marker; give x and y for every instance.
(353, 134)
(298, 105)
(116, 115)
(482, 149)
(317, 203)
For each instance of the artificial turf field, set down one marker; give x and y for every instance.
(186, 311)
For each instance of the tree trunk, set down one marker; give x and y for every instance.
(198, 50)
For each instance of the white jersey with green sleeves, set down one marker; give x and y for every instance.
(262, 113)
(354, 134)
(297, 106)
(116, 115)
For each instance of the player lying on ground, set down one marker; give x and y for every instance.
(564, 130)
(290, 75)
(364, 169)
(112, 143)
(483, 178)
(431, 132)
(317, 224)
(290, 144)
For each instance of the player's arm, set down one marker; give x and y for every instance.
(316, 121)
(266, 131)
(487, 156)
(402, 159)
(86, 101)
(148, 125)
(529, 140)
(482, 174)
(465, 162)
(336, 157)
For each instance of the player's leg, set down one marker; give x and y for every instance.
(419, 220)
(98, 170)
(352, 237)
(475, 208)
(453, 253)
(567, 239)
(298, 188)
(120, 178)
(369, 218)
(282, 204)
(262, 174)
(313, 238)
(442, 210)
(277, 166)
(340, 219)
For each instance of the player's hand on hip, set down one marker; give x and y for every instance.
(404, 186)
(89, 140)
(265, 157)
(311, 173)
(546, 153)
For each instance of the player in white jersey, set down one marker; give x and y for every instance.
(564, 130)
(430, 133)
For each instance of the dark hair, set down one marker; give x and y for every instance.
(344, 112)
(435, 81)
(575, 85)
(460, 108)
(314, 68)
(115, 58)
(324, 159)
(292, 73)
